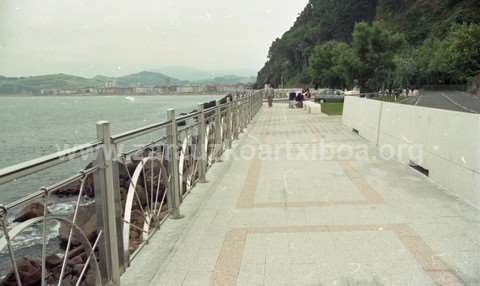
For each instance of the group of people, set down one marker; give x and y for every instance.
(295, 99)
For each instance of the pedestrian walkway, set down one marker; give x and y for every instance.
(283, 209)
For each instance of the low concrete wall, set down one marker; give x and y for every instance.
(312, 107)
(362, 117)
(450, 140)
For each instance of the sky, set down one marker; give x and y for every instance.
(118, 37)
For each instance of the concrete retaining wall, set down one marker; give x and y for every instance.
(450, 140)
(312, 107)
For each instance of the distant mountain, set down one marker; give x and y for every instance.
(185, 73)
(33, 84)
(198, 75)
(13, 85)
(144, 78)
(231, 79)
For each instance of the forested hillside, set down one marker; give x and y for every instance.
(378, 44)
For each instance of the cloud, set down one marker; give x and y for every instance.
(95, 37)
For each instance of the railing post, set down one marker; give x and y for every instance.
(218, 132)
(202, 152)
(229, 123)
(260, 101)
(240, 115)
(106, 191)
(247, 110)
(173, 194)
(243, 115)
(234, 118)
(253, 105)
(250, 108)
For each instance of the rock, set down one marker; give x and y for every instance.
(74, 188)
(136, 235)
(86, 220)
(52, 279)
(137, 218)
(53, 261)
(30, 211)
(141, 196)
(75, 260)
(30, 272)
(77, 269)
(136, 158)
(90, 278)
(76, 251)
(71, 190)
(89, 188)
(69, 280)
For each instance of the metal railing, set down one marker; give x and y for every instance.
(119, 200)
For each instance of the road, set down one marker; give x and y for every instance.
(450, 100)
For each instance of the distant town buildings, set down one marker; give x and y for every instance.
(110, 83)
(110, 88)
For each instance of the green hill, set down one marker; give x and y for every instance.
(34, 84)
(421, 19)
(289, 57)
(145, 79)
(229, 79)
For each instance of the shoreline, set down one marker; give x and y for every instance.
(119, 95)
(116, 95)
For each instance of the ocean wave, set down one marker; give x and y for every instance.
(33, 235)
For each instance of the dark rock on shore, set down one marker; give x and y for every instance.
(30, 211)
(53, 261)
(30, 272)
(74, 189)
(73, 268)
(86, 220)
(136, 233)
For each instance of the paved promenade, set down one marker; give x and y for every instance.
(280, 211)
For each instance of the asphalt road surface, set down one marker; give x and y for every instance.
(450, 100)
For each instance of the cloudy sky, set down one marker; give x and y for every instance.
(116, 37)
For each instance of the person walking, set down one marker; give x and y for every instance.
(269, 93)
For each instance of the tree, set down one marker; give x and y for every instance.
(326, 65)
(453, 60)
(406, 70)
(374, 48)
(462, 51)
(320, 21)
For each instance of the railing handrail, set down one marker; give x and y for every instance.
(30, 167)
(23, 169)
(127, 135)
(39, 194)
